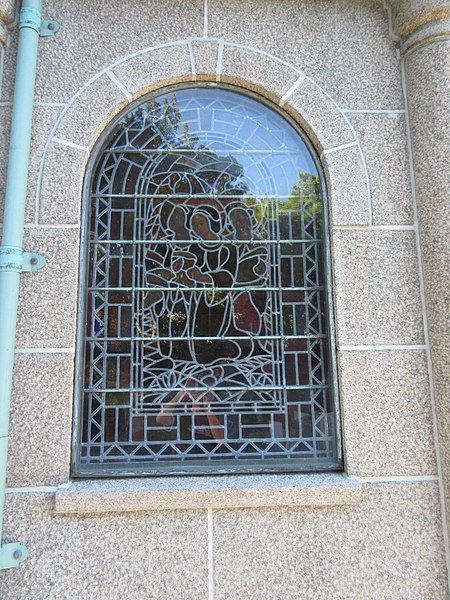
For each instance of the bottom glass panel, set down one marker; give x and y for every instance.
(177, 437)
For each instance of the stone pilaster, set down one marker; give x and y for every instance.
(423, 28)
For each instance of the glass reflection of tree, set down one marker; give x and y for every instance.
(305, 196)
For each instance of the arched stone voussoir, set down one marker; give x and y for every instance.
(319, 116)
(90, 112)
(155, 68)
(61, 184)
(206, 55)
(257, 71)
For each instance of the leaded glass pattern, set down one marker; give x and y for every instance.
(206, 337)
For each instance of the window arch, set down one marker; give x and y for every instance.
(203, 342)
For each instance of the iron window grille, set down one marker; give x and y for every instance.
(204, 338)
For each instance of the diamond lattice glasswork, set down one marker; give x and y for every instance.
(205, 347)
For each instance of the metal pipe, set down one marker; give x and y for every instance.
(11, 253)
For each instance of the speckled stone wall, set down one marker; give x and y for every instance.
(334, 68)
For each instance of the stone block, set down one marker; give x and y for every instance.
(337, 44)
(383, 139)
(321, 118)
(347, 183)
(92, 110)
(387, 547)
(377, 297)
(158, 555)
(155, 68)
(95, 35)
(386, 413)
(44, 117)
(41, 424)
(48, 298)
(205, 58)
(62, 184)
(259, 71)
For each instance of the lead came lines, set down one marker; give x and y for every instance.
(203, 271)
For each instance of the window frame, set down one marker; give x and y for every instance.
(130, 469)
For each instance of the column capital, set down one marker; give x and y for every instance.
(410, 15)
(417, 22)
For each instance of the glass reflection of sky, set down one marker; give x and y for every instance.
(231, 124)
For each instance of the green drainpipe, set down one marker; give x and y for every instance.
(13, 261)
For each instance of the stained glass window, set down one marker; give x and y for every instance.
(204, 341)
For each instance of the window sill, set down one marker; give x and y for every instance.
(235, 491)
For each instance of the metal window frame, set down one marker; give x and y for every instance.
(249, 466)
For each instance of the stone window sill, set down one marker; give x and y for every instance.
(232, 491)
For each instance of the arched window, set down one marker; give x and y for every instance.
(204, 337)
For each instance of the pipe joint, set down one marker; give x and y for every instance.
(30, 17)
(11, 259)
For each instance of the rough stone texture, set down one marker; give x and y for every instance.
(260, 72)
(155, 68)
(44, 117)
(320, 489)
(9, 65)
(94, 35)
(91, 111)
(205, 57)
(377, 288)
(5, 125)
(428, 98)
(321, 118)
(386, 412)
(41, 425)
(348, 189)
(388, 547)
(384, 142)
(2, 53)
(4, 35)
(7, 10)
(8, 62)
(62, 183)
(336, 43)
(143, 556)
(47, 298)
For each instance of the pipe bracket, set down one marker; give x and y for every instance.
(16, 260)
(48, 28)
(11, 555)
(30, 17)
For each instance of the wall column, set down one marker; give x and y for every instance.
(423, 29)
